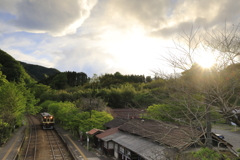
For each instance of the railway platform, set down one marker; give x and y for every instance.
(76, 148)
(10, 149)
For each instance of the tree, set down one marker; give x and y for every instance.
(148, 79)
(68, 114)
(90, 100)
(39, 89)
(219, 90)
(31, 101)
(12, 103)
(96, 121)
(3, 79)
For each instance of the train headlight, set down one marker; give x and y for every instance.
(51, 117)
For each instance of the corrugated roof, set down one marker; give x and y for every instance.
(143, 147)
(107, 132)
(175, 136)
(112, 136)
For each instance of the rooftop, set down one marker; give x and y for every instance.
(172, 135)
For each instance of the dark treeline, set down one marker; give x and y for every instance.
(64, 80)
(117, 78)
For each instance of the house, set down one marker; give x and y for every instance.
(129, 147)
(105, 143)
(143, 139)
(93, 132)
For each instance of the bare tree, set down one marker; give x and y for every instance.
(217, 87)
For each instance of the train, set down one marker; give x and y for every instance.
(47, 120)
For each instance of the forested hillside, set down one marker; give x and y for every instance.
(39, 72)
(13, 69)
(16, 97)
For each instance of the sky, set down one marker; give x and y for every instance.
(104, 36)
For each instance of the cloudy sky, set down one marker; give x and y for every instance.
(104, 36)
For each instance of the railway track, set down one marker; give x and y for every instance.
(42, 144)
(56, 147)
(30, 152)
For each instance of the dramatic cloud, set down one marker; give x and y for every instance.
(53, 17)
(105, 36)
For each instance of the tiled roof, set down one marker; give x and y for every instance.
(94, 131)
(175, 136)
(107, 132)
(115, 122)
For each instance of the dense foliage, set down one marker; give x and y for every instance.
(15, 100)
(13, 69)
(69, 115)
(39, 72)
(65, 80)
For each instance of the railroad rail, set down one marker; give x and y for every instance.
(42, 144)
(31, 149)
(55, 145)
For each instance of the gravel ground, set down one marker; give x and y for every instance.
(231, 134)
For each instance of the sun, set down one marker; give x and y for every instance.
(206, 60)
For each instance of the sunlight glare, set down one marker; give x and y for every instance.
(206, 60)
(132, 49)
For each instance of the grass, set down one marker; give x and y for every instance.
(225, 126)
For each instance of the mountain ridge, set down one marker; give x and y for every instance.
(38, 72)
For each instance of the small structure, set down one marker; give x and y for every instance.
(144, 139)
(106, 145)
(93, 132)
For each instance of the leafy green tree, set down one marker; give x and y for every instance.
(49, 95)
(3, 79)
(45, 105)
(127, 94)
(148, 79)
(59, 81)
(12, 103)
(4, 129)
(162, 111)
(13, 70)
(39, 89)
(31, 101)
(68, 114)
(114, 98)
(96, 121)
(144, 99)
